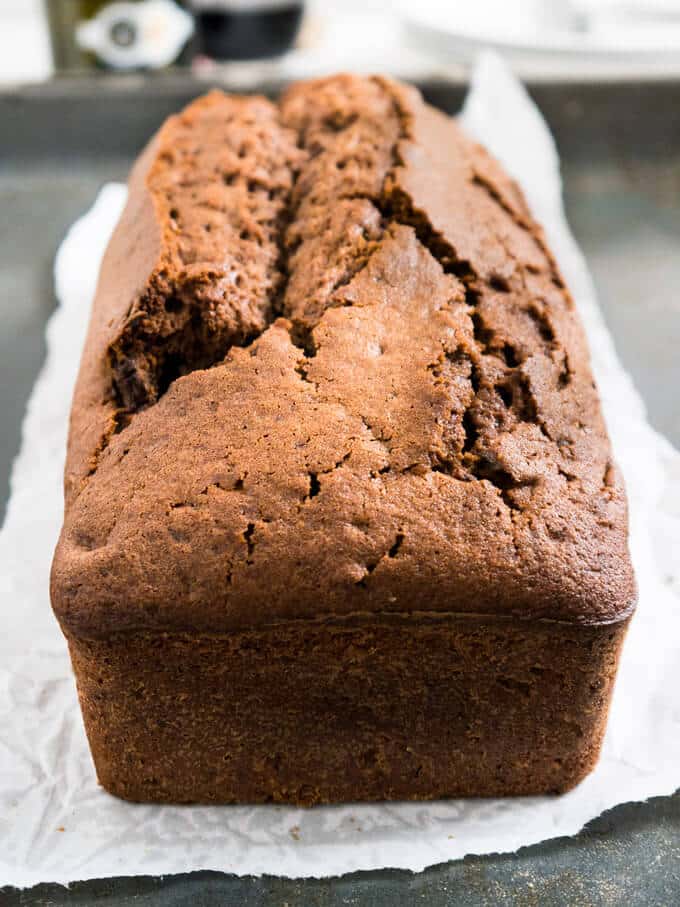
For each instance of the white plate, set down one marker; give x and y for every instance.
(587, 31)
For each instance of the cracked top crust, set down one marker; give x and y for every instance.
(332, 369)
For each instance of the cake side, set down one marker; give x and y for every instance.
(339, 711)
(418, 432)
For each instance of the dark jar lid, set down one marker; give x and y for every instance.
(246, 29)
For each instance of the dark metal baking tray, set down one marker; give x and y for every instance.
(620, 151)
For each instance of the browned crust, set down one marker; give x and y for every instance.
(168, 256)
(421, 432)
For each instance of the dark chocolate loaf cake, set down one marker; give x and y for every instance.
(342, 521)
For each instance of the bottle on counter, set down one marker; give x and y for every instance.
(119, 35)
(246, 29)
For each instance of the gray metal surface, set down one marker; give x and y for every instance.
(620, 149)
(630, 856)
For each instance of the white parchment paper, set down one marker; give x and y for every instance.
(56, 824)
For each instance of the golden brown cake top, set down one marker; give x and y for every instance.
(332, 368)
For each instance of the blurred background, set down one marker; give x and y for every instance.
(294, 39)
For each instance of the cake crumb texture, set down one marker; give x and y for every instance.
(375, 710)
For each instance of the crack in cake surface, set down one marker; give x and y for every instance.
(220, 270)
(314, 217)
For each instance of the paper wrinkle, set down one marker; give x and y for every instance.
(47, 781)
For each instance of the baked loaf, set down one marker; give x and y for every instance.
(342, 521)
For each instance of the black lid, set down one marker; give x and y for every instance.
(246, 31)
